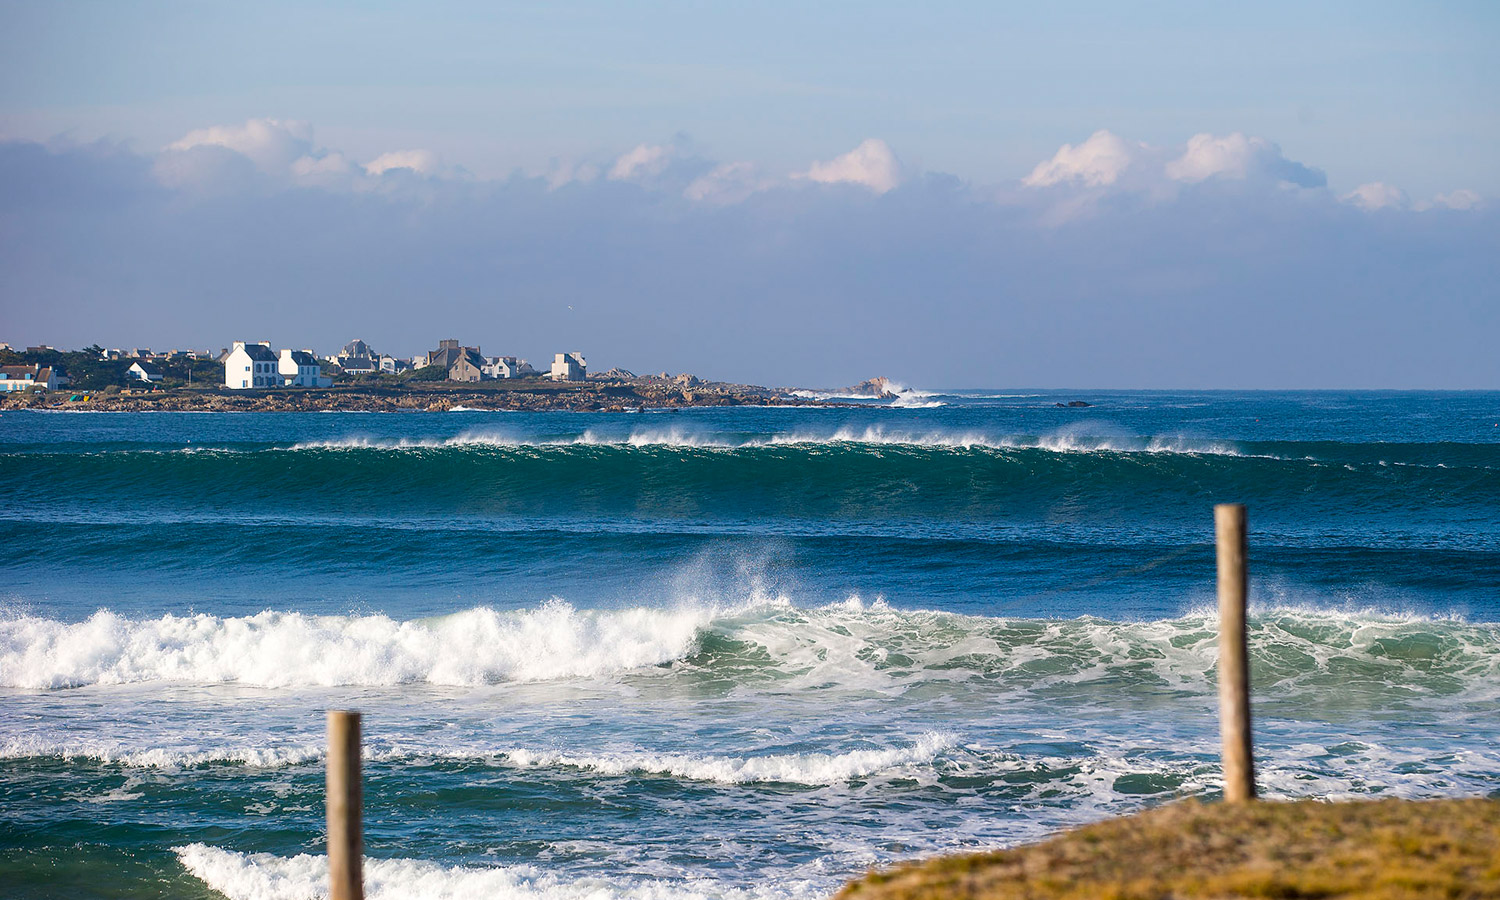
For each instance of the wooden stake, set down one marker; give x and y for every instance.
(346, 850)
(1234, 662)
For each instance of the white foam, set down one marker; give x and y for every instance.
(789, 768)
(812, 768)
(119, 753)
(279, 649)
(262, 876)
(1074, 439)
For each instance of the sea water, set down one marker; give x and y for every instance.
(718, 652)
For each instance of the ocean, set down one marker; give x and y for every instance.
(726, 653)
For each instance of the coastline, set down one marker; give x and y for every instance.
(528, 395)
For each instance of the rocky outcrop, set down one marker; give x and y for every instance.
(878, 387)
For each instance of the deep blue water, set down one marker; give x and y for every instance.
(715, 651)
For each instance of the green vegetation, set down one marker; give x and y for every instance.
(427, 373)
(87, 370)
(1372, 850)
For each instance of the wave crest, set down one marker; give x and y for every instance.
(281, 649)
(263, 876)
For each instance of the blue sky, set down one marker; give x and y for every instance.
(822, 143)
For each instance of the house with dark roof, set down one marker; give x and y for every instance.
(33, 377)
(251, 365)
(468, 367)
(300, 368)
(145, 370)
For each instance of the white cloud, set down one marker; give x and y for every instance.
(727, 183)
(1377, 195)
(1096, 162)
(1239, 157)
(1459, 199)
(871, 164)
(423, 162)
(644, 161)
(272, 144)
(567, 171)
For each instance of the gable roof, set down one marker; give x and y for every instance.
(148, 367)
(260, 352)
(19, 373)
(303, 358)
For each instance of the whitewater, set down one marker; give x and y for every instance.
(718, 653)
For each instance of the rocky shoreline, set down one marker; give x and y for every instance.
(526, 395)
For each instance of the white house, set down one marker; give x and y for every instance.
(21, 378)
(505, 367)
(144, 370)
(251, 365)
(299, 368)
(569, 367)
(394, 365)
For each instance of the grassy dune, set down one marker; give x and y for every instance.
(1382, 849)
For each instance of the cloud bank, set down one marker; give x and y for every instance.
(1215, 263)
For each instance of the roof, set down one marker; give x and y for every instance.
(260, 352)
(19, 372)
(303, 358)
(148, 367)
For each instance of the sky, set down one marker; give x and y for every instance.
(1166, 195)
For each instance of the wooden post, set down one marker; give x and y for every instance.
(344, 800)
(1234, 662)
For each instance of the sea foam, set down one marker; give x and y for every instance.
(262, 876)
(280, 649)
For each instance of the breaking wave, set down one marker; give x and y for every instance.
(262, 876)
(285, 649)
(1340, 657)
(809, 769)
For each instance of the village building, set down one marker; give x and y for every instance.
(145, 370)
(394, 365)
(446, 354)
(251, 365)
(506, 367)
(569, 367)
(358, 365)
(300, 368)
(33, 377)
(468, 367)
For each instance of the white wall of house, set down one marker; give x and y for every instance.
(569, 367)
(138, 372)
(242, 371)
(301, 370)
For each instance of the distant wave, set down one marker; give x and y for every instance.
(875, 435)
(262, 876)
(852, 645)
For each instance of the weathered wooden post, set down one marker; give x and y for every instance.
(344, 800)
(1234, 661)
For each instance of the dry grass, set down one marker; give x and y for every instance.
(1376, 850)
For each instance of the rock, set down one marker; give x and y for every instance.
(878, 387)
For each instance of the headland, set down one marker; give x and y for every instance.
(527, 394)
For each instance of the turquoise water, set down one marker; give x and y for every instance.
(717, 653)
